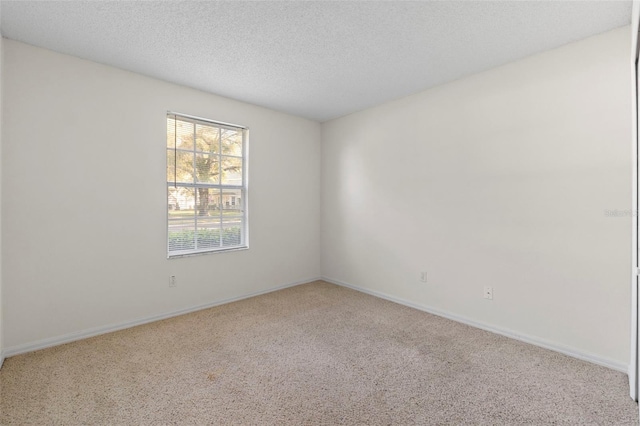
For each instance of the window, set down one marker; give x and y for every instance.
(206, 186)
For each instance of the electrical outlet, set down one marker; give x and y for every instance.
(423, 277)
(172, 281)
(488, 292)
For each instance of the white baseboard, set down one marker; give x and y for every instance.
(615, 365)
(71, 337)
(91, 332)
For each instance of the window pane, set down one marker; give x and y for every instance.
(231, 171)
(208, 238)
(181, 202)
(184, 135)
(208, 232)
(231, 142)
(208, 204)
(183, 167)
(171, 132)
(208, 222)
(182, 223)
(232, 202)
(207, 168)
(182, 235)
(207, 139)
(215, 203)
(231, 236)
(171, 165)
(232, 222)
(172, 200)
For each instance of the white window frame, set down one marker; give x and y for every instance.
(244, 189)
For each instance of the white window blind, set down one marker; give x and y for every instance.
(206, 186)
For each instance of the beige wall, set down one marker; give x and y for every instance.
(84, 199)
(500, 179)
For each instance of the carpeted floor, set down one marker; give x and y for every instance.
(312, 354)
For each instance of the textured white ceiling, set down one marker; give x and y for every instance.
(315, 59)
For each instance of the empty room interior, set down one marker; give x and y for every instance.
(316, 212)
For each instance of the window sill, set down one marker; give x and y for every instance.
(200, 253)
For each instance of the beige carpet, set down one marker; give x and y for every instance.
(312, 354)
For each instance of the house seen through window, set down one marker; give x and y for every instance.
(206, 186)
